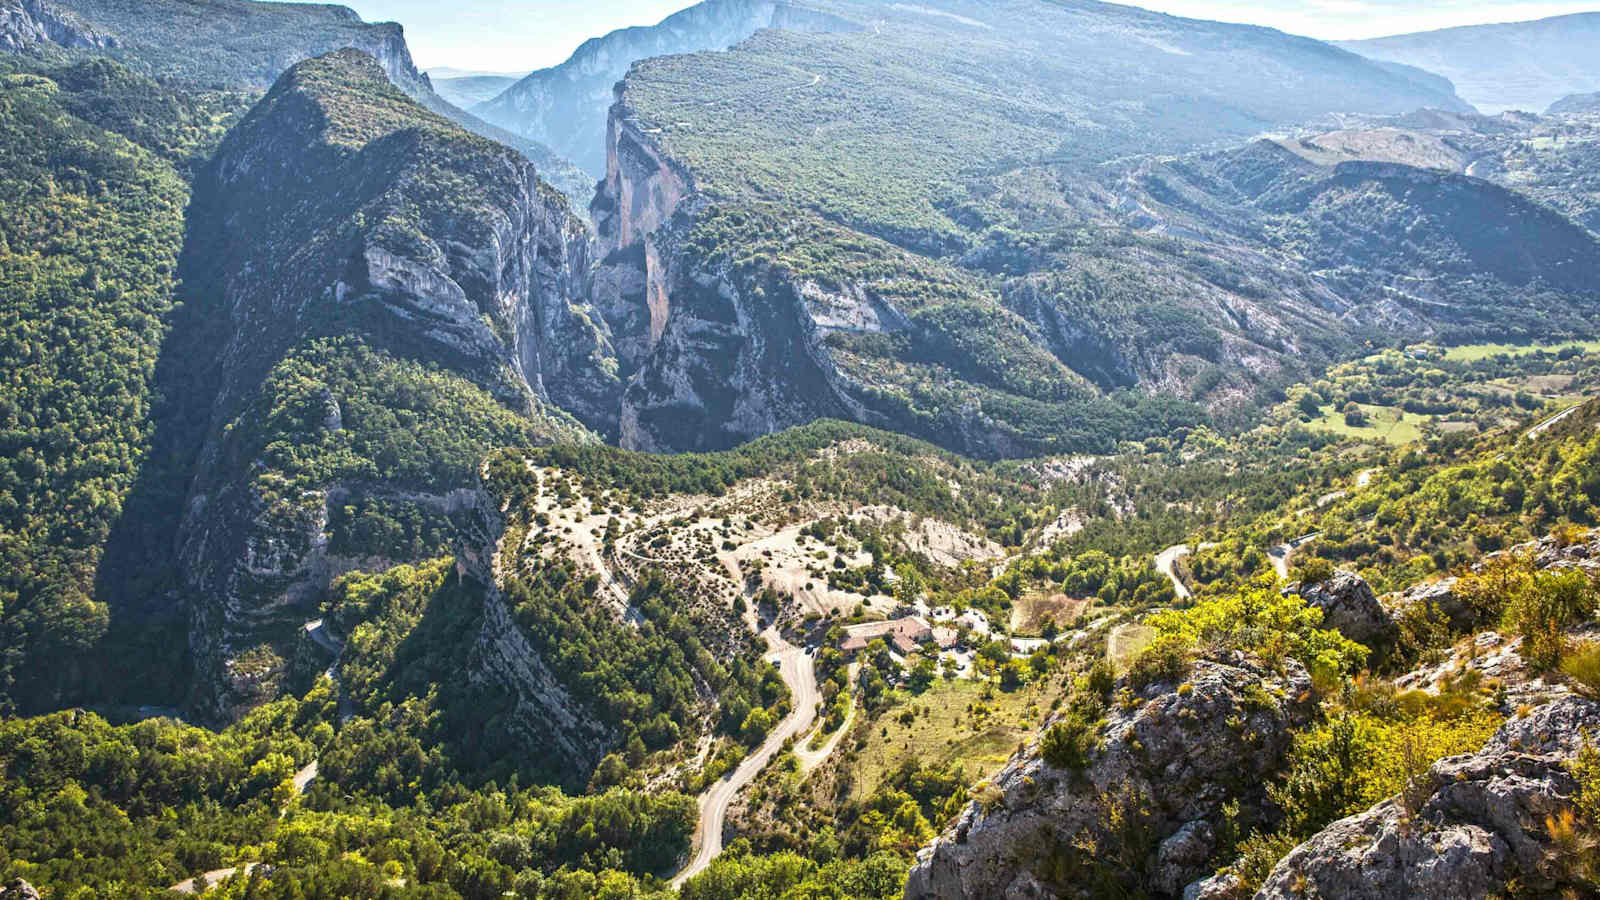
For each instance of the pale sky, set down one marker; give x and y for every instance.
(512, 36)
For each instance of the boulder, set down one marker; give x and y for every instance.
(1473, 824)
(1222, 886)
(1349, 605)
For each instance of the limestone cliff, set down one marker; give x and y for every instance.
(347, 247)
(718, 347)
(26, 23)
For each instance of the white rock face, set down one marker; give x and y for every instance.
(29, 22)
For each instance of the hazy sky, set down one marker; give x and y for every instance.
(519, 35)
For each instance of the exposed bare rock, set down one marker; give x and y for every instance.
(24, 23)
(1349, 605)
(1434, 600)
(1166, 765)
(1472, 825)
(17, 889)
(1439, 602)
(1223, 886)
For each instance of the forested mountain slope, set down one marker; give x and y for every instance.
(96, 590)
(417, 316)
(967, 262)
(95, 164)
(313, 383)
(565, 106)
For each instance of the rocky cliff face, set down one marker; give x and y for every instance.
(1001, 312)
(726, 331)
(341, 218)
(212, 42)
(1142, 816)
(25, 23)
(542, 715)
(565, 106)
(1473, 825)
(713, 356)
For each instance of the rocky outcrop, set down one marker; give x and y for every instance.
(25, 23)
(1472, 825)
(541, 714)
(1435, 601)
(1439, 601)
(322, 217)
(1349, 605)
(18, 889)
(1143, 815)
(565, 106)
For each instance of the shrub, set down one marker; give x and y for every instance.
(1500, 579)
(1100, 679)
(1314, 570)
(1543, 610)
(1582, 665)
(1068, 743)
(1166, 659)
(1261, 622)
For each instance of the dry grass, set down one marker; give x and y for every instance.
(953, 722)
(1125, 642)
(1032, 610)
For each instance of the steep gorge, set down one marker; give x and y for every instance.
(754, 274)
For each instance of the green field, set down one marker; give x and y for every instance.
(1471, 352)
(1384, 423)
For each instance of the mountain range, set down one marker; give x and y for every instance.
(955, 379)
(1515, 65)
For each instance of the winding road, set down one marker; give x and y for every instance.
(300, 780)
(801, 676)
(1547, 424)
(1165, 560)
(810, 759)
(1281, 553)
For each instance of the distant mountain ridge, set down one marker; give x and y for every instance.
(246, 44)
(1515, 65)
(1575, 103)
(857, 223)
(565, 105)
(469, 90)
